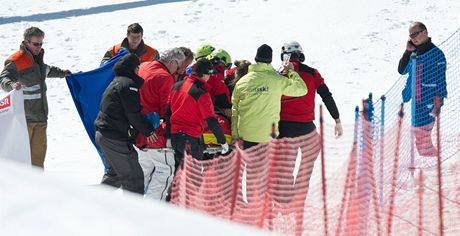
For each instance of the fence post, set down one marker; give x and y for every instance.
(364, 191)
(236, 180)
(350, 178)
(323, 171)
(437, 104)
(382, 148)
(395, 171)
(420, 190)
(413, 75)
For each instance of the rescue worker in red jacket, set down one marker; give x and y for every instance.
(135, 44)
(298, 114)
(189, 107)
(159, 77)
(220, 95)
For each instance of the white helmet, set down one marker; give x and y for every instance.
(292, 46)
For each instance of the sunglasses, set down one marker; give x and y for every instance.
(36, 44)
(415, 34)
(216, 60)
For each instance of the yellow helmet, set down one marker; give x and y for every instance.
(203, 51)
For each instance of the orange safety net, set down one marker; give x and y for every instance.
(268, 186)
(388, 175)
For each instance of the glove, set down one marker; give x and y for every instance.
(435, 112)
(168, 143)
(188, 70)
(154, 119)
(225, 148)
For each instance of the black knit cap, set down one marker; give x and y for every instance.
(130, 61)
(203, 66)
(264, 54)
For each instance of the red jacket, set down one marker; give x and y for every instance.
(217, 89)
(190, 105)
(157, 85)
(230, 74)
(302, 109)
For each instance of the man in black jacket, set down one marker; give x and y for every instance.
(119, 116)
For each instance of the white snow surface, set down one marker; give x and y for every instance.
(355, 45)
(33, 204)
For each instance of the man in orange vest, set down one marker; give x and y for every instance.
(26, 70)
(135, 44)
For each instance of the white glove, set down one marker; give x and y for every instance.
(225, 148)
(168, 143)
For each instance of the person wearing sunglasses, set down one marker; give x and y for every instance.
(159, 78)
(430, 81)
(135, 44)
(26, 70)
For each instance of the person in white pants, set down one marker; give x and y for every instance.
(158, 168)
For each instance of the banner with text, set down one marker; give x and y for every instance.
(14, 138)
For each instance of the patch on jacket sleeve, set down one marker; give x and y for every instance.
(134, 89)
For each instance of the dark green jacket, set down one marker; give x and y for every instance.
(31, 72)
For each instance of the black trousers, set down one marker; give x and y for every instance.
(247, 144)
(181, 142)
(291, 129)
(122, 162)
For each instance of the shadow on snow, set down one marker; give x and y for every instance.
(83, 12)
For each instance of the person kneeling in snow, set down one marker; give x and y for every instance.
(120, 110)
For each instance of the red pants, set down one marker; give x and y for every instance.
(423, 140)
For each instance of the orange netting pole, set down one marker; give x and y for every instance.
(395, 170)
(362, 199)
(267, 202)
(370, 161)
(348, 185)
(323, 171)
(351, 170)
(236, 180)
(420, 204)
(374, 196)
(438, 140)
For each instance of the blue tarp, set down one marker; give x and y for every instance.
(87, 88)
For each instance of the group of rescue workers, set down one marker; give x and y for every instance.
(166, 108)
(158, 106)
(159, 101)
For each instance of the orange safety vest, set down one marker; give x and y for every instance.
(22, 60)
(148, 56)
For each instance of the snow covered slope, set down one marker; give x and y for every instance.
(354, 44)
